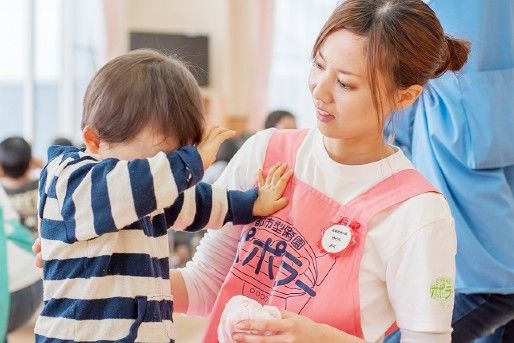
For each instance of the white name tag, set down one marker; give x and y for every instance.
(336, 238)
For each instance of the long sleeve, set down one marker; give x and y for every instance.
(95, 197)
(205, 274)
(210, 206)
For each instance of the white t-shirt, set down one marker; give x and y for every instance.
(21, 265)
(408, 265)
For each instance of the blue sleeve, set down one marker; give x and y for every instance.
(108, 195)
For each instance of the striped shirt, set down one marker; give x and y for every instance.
(103, 227)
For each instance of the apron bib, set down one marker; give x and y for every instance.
(306, 257)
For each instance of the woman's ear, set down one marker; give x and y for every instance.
(91, 139)
(406, 97)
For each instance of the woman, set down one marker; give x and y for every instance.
(372, 57)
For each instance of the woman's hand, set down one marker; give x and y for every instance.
(292, 328)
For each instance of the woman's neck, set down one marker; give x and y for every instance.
(353, 152)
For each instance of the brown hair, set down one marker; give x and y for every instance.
(142, 88)
(406, 42)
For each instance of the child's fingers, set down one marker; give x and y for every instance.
(39, 260)
(208, 132)
(278, 173)
(212, 132)
(219, 130)
(282, 182)
(222, 134)
(271, 172)
(261, 180)
(36, 247)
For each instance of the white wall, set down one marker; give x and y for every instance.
(232, 31)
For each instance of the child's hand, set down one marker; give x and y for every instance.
(210, 144)
(36, 248)
(270, 198)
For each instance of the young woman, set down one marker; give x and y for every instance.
(365, 242)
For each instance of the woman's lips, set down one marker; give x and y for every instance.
(323, 116)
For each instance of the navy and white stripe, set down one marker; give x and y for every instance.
(103, 227)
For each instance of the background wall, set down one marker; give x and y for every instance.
(233, 30)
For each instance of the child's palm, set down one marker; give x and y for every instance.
(271, 189)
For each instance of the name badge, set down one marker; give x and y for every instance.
(336, 238)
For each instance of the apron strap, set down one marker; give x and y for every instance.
(392, 191)
(283, 147)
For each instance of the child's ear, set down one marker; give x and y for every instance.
(91, 139)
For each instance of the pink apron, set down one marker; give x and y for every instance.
(282, 261)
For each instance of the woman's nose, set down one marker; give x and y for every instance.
(321, 92)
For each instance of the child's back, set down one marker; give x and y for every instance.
(102, 283)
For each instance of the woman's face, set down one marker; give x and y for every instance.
(340, 90)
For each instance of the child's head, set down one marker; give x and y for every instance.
(141, 103)
(373, 57)
(15, 157)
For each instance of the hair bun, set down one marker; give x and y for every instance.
(456, 55)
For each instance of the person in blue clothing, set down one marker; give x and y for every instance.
(459, 135)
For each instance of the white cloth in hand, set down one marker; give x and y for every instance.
(241, 308)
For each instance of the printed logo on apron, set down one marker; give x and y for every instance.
(277, 264)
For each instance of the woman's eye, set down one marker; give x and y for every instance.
(317, 64)
(344, 85)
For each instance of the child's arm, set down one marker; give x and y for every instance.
(96, 197)
(213, 206)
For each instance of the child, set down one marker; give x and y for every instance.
(21, 188)
(105, 209)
